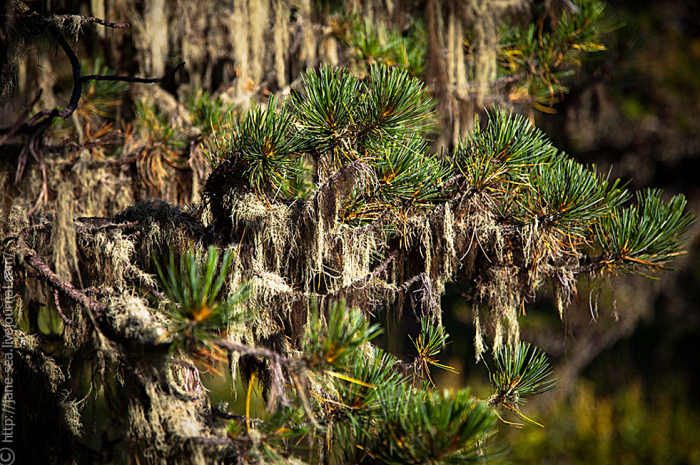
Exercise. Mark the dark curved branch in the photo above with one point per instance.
(45, 116)
(77, 73)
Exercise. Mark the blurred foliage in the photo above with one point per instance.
(656, 75)
(160, 146)
(368, 44)
(627, 426)
(100, 97)
(209, 114)
(91, 126)
(540, 55)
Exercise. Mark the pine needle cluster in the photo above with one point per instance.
(377, 125)
(539, 56)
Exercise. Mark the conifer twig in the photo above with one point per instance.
(65, 319)
(92, 19)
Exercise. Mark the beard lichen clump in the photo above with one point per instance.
(380, 222)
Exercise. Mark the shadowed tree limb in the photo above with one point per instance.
(24, 125)
(37, 124)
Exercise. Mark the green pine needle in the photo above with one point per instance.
(325, 109)
(433, 427)
(361, 403)
(269, 148)
(193, 285)
(330, 346)
(520, 372)
(397, 105)
(647, 235)
(430, 342)
(567, 197)
(502, 152)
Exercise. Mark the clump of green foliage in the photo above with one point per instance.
(335, 120)
(350, 399)
(366, 43)
(193, 289)
(338, 209)
(538, 57)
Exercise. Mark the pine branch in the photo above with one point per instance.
(647, 235)
(519, 373)
(192, 288)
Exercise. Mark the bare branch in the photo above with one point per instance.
(92, 19)
(67, 321)
(368, 278)
(165, 78)
(23, 125)
(46, 274)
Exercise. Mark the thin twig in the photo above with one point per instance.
(407, 284)
(65, 319)
(223, 441)
(376, 223)
(44, 195)
(46, 274)
(470, 244)
(259, 351)
(361, 282)
(165, 78)
(18, 124)
(45, 116)
(92, 19)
